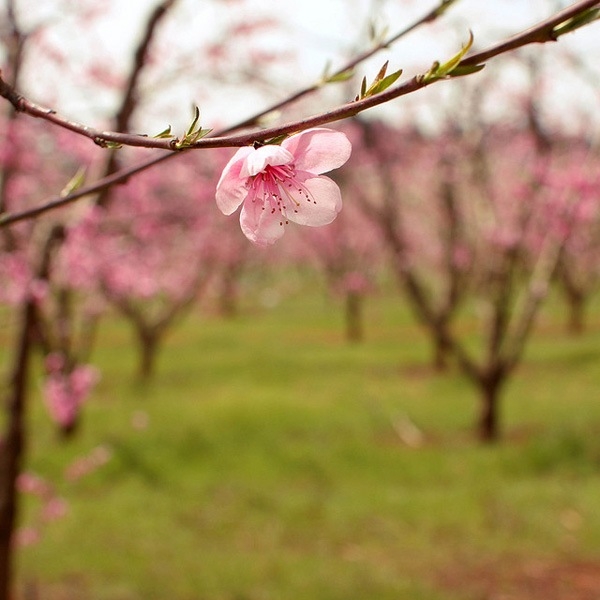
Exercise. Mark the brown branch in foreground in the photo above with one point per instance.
(255, 120)
(542, 32)
(119, 137)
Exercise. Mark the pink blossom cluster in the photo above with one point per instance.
(349, 251)
(64, 391)
(151, 242)
(17, 282)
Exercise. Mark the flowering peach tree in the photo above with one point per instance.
(486, 220)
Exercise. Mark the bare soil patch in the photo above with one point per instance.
(527, 580)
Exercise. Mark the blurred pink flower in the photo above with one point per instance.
(54, 362)
(32, 484)
(85, 465)
(27, 536)
(54, 508)
(278, 184)
(65, 392)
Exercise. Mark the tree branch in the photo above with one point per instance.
(431, 16)
(119, 137)
(542, 32)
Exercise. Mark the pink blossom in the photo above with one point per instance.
(54, 508)
(355, 282)
(65, 393)
(15, 278)
(278, 184)
(87, 464)
(27, 536)
(30, 483)
(54, 362)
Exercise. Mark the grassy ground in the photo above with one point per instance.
(270, 460)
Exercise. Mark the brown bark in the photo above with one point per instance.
(441, 354)
(489, 417)
(576, 323)
(148, 342)
(354, 317)
(576, 298)
(12, 447)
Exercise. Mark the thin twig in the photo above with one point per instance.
(542, 32)
(119, 137)
(255, 120)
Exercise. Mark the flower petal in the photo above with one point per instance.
(318, 150)
(231, 189)
(260, 225)
(322, 209)
(259, 158)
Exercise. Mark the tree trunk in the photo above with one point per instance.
(489, 417)
(440, 354)
(12, 447)
(148, 344)
(575, 324)
(354, 317)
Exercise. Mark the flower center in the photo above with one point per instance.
(280, 190)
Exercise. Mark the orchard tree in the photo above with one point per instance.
(408, 191)
(578, 269)
(349, 254)
(486, 222)
(150, 252)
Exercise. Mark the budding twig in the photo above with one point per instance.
(542, 32)
(119, 138)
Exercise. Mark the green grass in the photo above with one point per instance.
(271, 467)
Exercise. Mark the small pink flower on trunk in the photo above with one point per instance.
(278, 184)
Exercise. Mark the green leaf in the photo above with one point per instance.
(438, 71)
(376, 33)
(276, 140)
(203, 133)
(74, 183)
(194, 122)
(372, 31)
(189, 139)
(583, 18)
(385, 83)
(341, 76)
(449, 66)
(193, 134)
(465, 70)
(167, 133)
(443, 7)
(328, 77)
(381, 73)
(380, 83)
(432, 73)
